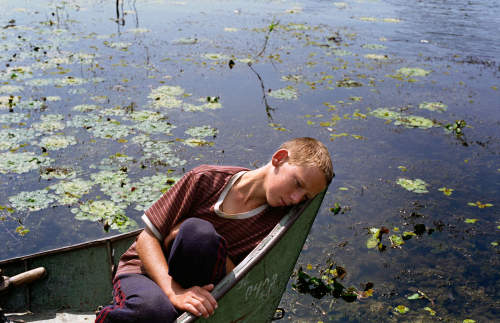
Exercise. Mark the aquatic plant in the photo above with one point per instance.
(57, 172)
(69, 192)
(287, 93)
(433, 106)
(31, 200)
(165, 96)
(57, 142)
(21, 162)
(15, 137)
(202, 131)
(112, 215)
(416, 186)
(49, 126)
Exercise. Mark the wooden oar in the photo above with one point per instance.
(22, 278)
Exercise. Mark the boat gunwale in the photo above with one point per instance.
(96, 242)
(255, 256)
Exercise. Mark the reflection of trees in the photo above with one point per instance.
(269, 109)
(119, 10)
(120, 14)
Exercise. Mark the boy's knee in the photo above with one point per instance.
(196, 233)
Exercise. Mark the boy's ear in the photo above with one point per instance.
(279, 157)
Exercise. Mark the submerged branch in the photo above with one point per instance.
(270, 29)
(264, 98)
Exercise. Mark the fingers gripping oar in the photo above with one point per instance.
(22, 278)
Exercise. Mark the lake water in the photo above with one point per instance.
(100, 105)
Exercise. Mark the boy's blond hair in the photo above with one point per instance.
(309, 152)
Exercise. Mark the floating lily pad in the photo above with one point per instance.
(105, 211)
(31, 201)
(342, 52)
(86, 107)
(166, 97)
(202, 131)
(185, 41)
(396, 240)
(401, 309)
(21, 162)
(10, 89)
(152, 126)
(374, 46)
(216, 57)
(348, 83)
(287, 93)
(480, 205)
(414, 296)
(6, 102)
(48, 126)
(200, 108)
(414, 122)
(57, 172)
(12, 117)
(14, 138)
(415, 186)
(412, 71)
(433, 106)
(292, 77)
(446, 191)
(430, 310)
(408, 121)
(110, 129)
(374, 239)
(377, 57)
(57, 142)
(138, 30)
(69, 192)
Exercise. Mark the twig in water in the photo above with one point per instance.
(269, 30)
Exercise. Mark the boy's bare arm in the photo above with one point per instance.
(196, 299)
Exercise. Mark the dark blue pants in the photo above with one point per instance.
(196, 257)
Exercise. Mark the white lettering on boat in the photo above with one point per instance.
(259, 290)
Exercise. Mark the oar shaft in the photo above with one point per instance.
(28, 276)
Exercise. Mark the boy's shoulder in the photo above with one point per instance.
(217, 170)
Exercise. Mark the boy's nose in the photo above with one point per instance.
(297, 197)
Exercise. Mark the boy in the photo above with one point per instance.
(209, 221)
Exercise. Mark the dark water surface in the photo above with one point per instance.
(80, 94)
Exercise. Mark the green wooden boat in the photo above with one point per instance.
(77, 279)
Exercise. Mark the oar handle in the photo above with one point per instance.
(28, 276)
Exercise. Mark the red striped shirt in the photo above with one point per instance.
(195, 195)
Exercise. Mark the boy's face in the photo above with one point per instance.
(292, 184)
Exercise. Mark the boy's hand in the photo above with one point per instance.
(196, 300)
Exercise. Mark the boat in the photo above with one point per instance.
(68, 284)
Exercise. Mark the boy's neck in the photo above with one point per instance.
(251, 187)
